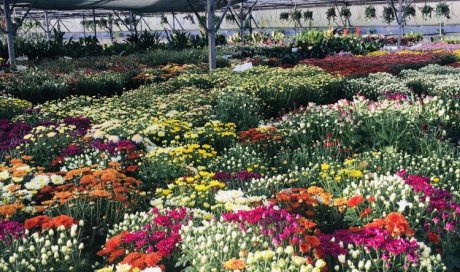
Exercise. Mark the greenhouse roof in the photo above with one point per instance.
(153, 6)
(144, 6)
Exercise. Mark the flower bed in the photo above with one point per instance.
(263, 170)
(356, 66)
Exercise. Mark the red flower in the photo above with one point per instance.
(36, 221)
(62, 220)
(433, 237)
(355, 201)
(366, 212)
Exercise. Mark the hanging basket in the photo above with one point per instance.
(427, 11)
(409, 12)
(345, 13)
(331, 14)
(388, 15)
(284, 16)
(443, 10)
(308, 15)
(370, 12)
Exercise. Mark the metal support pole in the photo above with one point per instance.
(84, 26)
(242, 25)
(9, 33)
(174, 21)
(47, 26)
(210, 10)
(131, 22)
(94, 24)
(400, 22)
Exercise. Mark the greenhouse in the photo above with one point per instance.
(230, 135)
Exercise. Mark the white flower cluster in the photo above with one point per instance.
(51, 250)
(132, 222)
(359, 260)
(391, 194)
(237, 200)
(40, 181)
(91, 157)
(268, 186)
(207, 245)
(280, 260)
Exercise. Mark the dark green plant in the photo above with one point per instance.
(443, 10)
(284, 16)
(427, 11)
(178, 40)
(308, 15)
(370, 12)
(388, 15)
(331, 14)
(409, 12)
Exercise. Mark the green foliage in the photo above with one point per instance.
(316, 44)
(244, 109)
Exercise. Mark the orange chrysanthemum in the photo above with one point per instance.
(61, 220)
(10, 209)
(234, 264)
(36, 221)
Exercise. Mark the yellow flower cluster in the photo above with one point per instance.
(457, 54)
(10, 107)
(167, 131)
(378, 53)
(189, 154)
(222, 129)
(338, 173)
(193, 191)
(52, 131)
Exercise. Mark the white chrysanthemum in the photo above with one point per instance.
(38, 182)
(152, 269)
(123, 268)
(228, 195)
(113, 138)
(57, 179)
(98, 134)
(137, 138)
(4, 175)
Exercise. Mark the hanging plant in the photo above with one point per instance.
(308, 15)
(164, 20)
(189, 17)
(230, 18)
(330, 14)
(427, 11)
(284, 16)
(370, 12)
(388, 15)
(296, 15)
(345, 13)
(442, 9)
(409, 12)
